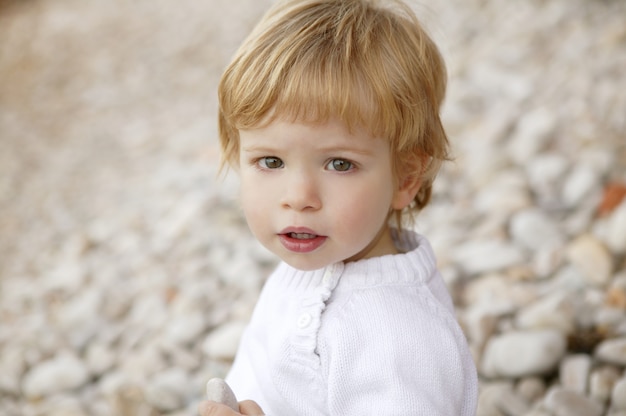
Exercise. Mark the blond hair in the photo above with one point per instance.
(364, 63)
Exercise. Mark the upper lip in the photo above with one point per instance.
(298, 230)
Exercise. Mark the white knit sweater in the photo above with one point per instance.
(371, 337)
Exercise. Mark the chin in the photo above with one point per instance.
(305, 266)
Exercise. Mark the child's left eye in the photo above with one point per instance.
(340, 165)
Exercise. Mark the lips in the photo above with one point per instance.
(300, 240)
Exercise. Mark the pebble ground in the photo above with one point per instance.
(126, 269)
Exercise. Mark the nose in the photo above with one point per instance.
(301, 193)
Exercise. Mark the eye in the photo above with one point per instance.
(270, 162)
(340, 165)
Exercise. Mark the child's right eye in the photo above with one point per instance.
(270, 162)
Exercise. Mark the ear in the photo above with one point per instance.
(409, 182)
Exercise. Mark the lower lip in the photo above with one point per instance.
(298, 245)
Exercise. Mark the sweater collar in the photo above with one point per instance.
(416, 264)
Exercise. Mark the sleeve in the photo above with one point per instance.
(396, 351)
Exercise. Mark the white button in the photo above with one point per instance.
(304, 320)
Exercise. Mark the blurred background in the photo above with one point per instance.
(126, 269)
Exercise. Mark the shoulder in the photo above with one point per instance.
(393, 315)
(404, 338)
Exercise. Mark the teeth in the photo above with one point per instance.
(301, 236)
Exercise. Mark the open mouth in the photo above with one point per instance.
(301, 236)
(301, 241)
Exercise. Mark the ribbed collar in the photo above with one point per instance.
(415, 265)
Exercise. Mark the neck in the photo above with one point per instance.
(382, 244)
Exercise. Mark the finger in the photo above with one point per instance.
(250, 408)
(210, 408)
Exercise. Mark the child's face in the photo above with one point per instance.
(316, 194)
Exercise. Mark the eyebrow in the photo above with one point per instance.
(258, 149)
(347, 149)
(329, 149)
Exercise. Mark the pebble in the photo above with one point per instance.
(523, 353)
(64, 406)
(562, 402)
(61, 373)
(222, 342)
(503, 194)
(80, 317)
(127, 272)
(545, 173)
(612, 351)
(532, 133)
(168, 390)
(218, 391)
(601, 382)
(534, 230)
(512, 404)
(99, 358)
(556, 311)
(616, 229)
(485, 256)
(531, 388)
(187, 328)
(592, 258)
(13, 367)
(579, 185)
(574, 372)
(491, 398)
(618, 396)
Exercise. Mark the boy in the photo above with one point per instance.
(329, 112)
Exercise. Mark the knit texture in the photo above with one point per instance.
(372, 337)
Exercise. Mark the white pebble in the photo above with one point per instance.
(490, 398)
(184, 329)
(534, 230)
(564, 402)
(504, 194)
(523, 353)
(12, 367)
(67, 276)
(80, 316)
(63, 405)
(601, 382)
(61, 373)
(612, 351)
(222, 343)
(618, 396)
(487, 256)
(531, 388)
(616, 235)
(555, 311)
(533, 131)
(168, 390)
(494, 294)
(99, 358)
(545, 172)
(218, 390)
(579, 184)
(592, 258)
(574, 372)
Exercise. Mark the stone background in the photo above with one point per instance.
(127, 272)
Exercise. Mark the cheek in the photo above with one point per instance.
(368, 209)
(252, 200)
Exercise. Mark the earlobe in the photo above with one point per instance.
(410, 184)
(405, 194)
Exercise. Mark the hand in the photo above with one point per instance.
(247, 408)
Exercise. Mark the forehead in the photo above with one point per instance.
(331, 134)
